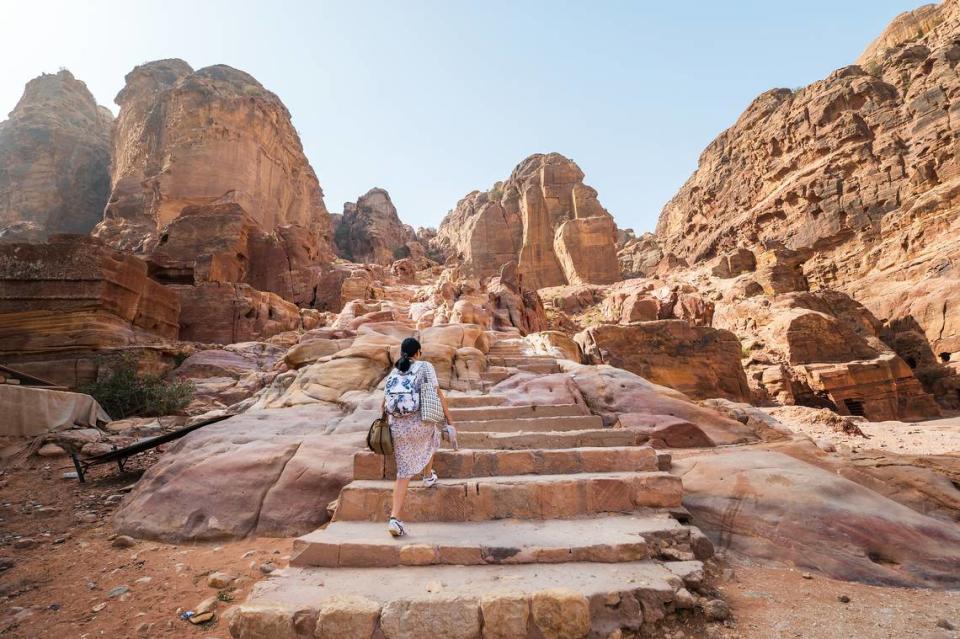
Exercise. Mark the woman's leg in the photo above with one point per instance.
(429, 467)
(399, 494)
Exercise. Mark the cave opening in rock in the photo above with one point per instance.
(854, 406)
(944, 357)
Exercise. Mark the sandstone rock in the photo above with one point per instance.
(51, 450)
(849, 174)
(834, 525)
(212, 136)
(561, 614)
(222, 243)
(823, 349)
(65, 302)
(453, 617)
(542, 217)
(308, 352)
(274, 473)
(505, 615)
(226, 313)
(54, 161)
(699, 361)
(371, 231)
(585, 250)
(219, 580)
(734, 263)
(555, 344)
(347, 616)
(612, 392)
(639, 256)
(262, 622)
(514, 305)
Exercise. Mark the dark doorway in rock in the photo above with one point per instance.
(944, 357)
(854, 406)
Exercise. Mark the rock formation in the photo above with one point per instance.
(371, 231)
(66, 302)
(824, 349)
(214, 136)
(700, 361)
(854, 173)
(54, 160)
(545, 218)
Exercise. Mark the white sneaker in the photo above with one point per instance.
(395, 527)
(431, 481)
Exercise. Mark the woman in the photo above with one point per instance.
(414, 441)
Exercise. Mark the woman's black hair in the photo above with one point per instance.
(408, 348)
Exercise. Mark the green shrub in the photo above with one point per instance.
(401, 252)
(124, 393)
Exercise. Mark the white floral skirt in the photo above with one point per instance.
(414, 443)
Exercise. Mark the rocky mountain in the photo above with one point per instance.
(856, 175)
(369, 230)
(54, 160)
(544, 217)
(208, 137)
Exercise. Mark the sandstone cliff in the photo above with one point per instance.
(544, 217)
(371, 231)
(54, 160)
(212, 136)
(855, 173)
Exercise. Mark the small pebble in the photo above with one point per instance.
(843, 599)
(943, 623)
(267, 568)
(119, 590)
(807, 575)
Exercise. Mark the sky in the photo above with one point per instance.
(432, 99)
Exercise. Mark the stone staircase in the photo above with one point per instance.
(543, 524)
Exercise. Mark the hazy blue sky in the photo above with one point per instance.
(431, 100)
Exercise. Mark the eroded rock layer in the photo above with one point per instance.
(213, 136)
(544, 217)
(855, 173)
(63, 302)
(54, 160)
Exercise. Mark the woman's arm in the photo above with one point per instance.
(443, 402)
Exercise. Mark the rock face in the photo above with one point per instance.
(64, 301)
(771, 506)
(54, 161)
(214, 136)
(824, 349)
(699, 361)
(639, 256)
(222, 243)
(854, 173)
(544, 217)
(370, 231)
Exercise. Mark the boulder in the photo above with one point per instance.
(699, 361)
(264, 472)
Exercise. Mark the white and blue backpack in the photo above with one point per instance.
(402, 393)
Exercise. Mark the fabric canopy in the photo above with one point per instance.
(27, 411)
